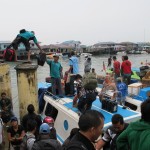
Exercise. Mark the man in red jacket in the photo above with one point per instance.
(116, 67)
(126, 70)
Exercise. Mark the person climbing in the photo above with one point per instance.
(24, 37)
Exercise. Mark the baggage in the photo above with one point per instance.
(104, 104)
(144, 68)
(89, 81)
(9, 54)
(112, 106)
(41, 58)
(109, 105)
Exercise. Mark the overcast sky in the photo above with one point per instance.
(89, 21)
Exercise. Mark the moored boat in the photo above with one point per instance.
(66, 116)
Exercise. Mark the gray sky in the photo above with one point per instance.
(89, 21)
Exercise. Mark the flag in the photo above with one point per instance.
(104, 68)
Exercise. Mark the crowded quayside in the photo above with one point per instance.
(70, 110)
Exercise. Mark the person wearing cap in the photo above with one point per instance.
(55, 73)
(24, 37)
(50, 122)
(15, 133)
(44, 142)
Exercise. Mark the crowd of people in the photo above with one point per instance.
(117, 81)
(34, 134)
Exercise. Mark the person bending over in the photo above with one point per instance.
(24, 37)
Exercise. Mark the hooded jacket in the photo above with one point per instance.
(135, 137)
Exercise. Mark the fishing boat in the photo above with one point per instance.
(66, 116)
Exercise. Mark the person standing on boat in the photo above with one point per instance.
(122, 91)
(55, 73)
(90, 128)
(74, 69)
(116, 67)
(87, 64)
(137, 135)
(24, 37)
(109, 62)
(126, 70)
(111, 134)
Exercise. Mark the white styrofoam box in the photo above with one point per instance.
(134, 89)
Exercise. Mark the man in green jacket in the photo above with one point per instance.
(137, 135)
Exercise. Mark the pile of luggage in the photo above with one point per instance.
(109, 105)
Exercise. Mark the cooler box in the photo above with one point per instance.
(145, 93)
(134, 89)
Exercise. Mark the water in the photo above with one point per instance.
(97, 63)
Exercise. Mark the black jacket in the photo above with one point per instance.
(80, 142)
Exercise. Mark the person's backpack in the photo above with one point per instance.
(43, 145)
(41, 58)
(89, 81)
(24, 145)
(9, 54)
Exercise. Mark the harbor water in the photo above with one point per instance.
(43, 72)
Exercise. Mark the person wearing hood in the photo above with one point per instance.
(137, 135)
